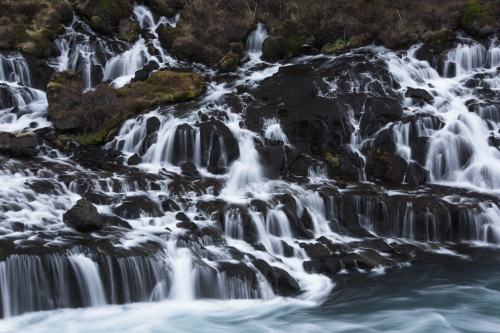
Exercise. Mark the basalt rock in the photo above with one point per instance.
(218, 144)
(83, 217)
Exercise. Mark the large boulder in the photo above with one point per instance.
(83, 216)
(477, 19)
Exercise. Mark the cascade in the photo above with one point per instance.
(201, 216)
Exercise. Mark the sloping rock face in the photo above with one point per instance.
(317, 120)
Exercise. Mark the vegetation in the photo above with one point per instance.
(102, 109)
(334, 162)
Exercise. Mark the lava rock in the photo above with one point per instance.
(134, 160)
(281, 281)
(419, 95)
(83, 216)
(152, 125)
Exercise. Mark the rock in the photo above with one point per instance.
(281, 281)
(477, 19)
(187, 225)
(216, 170)
(382, 165)
(272, 159)
(154, 186)
(416, 174)
(229, 62)
(213, 133)
(419, 95)
(136, 207)
(188, 166)
(134, 160)
(115, 221)
(128, 30)
(286, 41)
(419, 149)
(68, 122)
(378, 113)
(152, 125)
(385, 140)
(341, 184)
(182, 217)
(143, 73)
(83, 216)
(169, 205)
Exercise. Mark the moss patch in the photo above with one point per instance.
(101, 110)
(476, 13)
(334, 162)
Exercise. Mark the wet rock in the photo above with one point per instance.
(136, 207)
(143, 73)
(282, 282)
(218, 143)
(419, 95)
(416, 174)
(134, 160)
(152, 125)
(272, 159)
(382, 165)
(155, 186)
(378, 113)
(169, 205)
(115, 221)
(229, 62)
(83, 216)
(315, 250)
(99, 198)
(182, 217)
(189, 169)
(385, 140)
(419, 149)
(187, 225)
(148, 141)
(341, 184)
(216, 170)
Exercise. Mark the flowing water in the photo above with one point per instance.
(159, 277)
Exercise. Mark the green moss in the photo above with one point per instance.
(334, 162)
(476, 12)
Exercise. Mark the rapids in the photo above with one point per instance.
(204, 243)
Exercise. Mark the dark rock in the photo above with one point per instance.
(188, 166)
(385, 140)
(419, 149)
(272, 159)
(216, 170)
(83, 216)
(287, 40)
(382, 165)
(152, 125)
(169, 205)
(416, 174)
(187, 225)
(154, 186)
(341, 184)
(67, 123)
(419, 95)
(182, 217)
(136, 207)
(212, 133)
(115, 221)
(378, 113)
(282, 282)
(134, 160)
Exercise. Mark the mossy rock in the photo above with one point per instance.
(229, 62)
(440, 36)
(286, 41)
(97, 113)
(477, 19)
(165, 8)
(100, 25)
(128, 30)
(163, 87)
